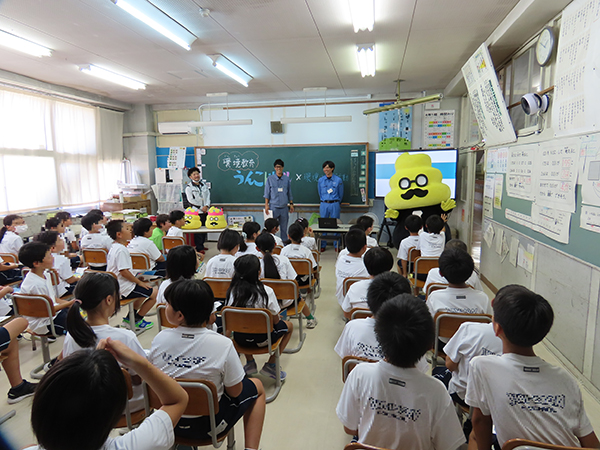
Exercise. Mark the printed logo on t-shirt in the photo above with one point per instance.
(461, 297)
(397, 382)
(369, 351)
(486, 352)
(187, 336)
(463, 310)
(537, 402)
(531, 369)
(186, 362)
(393, 410)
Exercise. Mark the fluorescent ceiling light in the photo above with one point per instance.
(23, 45)
(363, 14)
(316, 119)
(366, 59)
(230, 69)
(112, 77)
(158, 20)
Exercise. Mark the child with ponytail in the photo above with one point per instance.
(250, 231)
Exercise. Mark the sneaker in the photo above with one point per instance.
(21, 392)
(268, 370)
(126, 320)
(250, 368)
(144, 325)
(311, 323)
(50, 363)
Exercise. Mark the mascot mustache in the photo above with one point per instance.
(412, 192)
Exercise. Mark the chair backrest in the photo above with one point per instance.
(247, 320)
(525, 444)
(277, 250)
(9, 258)
(284, 289)
(140, 261)
(431, 287)
(350, 362)
(360, 313)
(33, 305)
(316, 256)
(219, 286)
(423, 264)
(359, 446)
(95, 255)
(170, 242)
(302, 266)
(413, 254)
(349, 282)
(54, 278)
(447, 323)
(161, 314)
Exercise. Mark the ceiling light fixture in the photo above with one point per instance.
(366, 59)
(158, 20)
(112, 77)
(230, 69)
(363, 14)
(218, 123)
(325, 118)
(401, 104)
(23, 45)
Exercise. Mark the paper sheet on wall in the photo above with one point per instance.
(487, 99)
(491, 156)
(505, 248)
(575, 108)
(176, 158)
(558, 166)
(590, 219)
(498, 187)
(520, 174)
(514, 251)
(550, 222)
(525, 257)
(499, 237)
(488, 196)
(438, 129)
(502, 160)
(488, 235)
(590, 170)
(517, 217)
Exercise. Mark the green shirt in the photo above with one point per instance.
(156, 237)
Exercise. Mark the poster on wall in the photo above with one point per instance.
(487, 99)
(395, 128)
(438, 129)
(520, 172)
(488, 196)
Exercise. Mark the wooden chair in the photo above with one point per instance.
(317, 273)
(434, 287)
(349, 282)
(219, 286)
(95, 256)
(256, 321)
(525, 444)
(38, 306)
(350, 362)
(422, 266)
(203, 401)
(446, 324)
(141, 262)
(360, 313)
(130, 419)
(277, 250)
(304, 267)
(359, 446)
(161, 317)
(170, 242)
(9, 258)
(55, 279)
(286, 289)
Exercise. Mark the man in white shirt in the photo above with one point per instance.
(351, 265)
(198, 195)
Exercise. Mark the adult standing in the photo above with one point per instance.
(198, 195)
(331, 191)
(278, 194)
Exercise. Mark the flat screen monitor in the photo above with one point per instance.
(444, 160)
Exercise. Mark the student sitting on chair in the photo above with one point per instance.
(10, 241)
(295, 250)
(279, 267)
(351, 265)
(434, 274)
(250, 231)
(62, 265)
(98, 295)
(161, 230)
(432, 241)
(103, 221)
(390, 404)
(457, 266)
(247, 291)
(272, 226)
(377, 260)
(20, 388)
(413, 225)
(210, 356)
(522, 394)
(119, 263)
(91, 383)
(344, 251)
(142, 244)
(181, 263)
(221, 265)
(38, 257)
(177, 219)
(95, 239)
(366, 223)
(308, 240)
(68, 235)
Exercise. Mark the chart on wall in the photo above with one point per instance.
(438, 129)
(395, 128)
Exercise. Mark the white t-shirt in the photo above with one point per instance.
(123, 335)
(160, 296)
(284, 267)
(174, 231)
(372, 242)
(278, 240)
(11, 243)
(431, 244)
(272, 304)
(405, 244)
(298, 251)
(155, 433)
(434, 277)
(68, 235)
(120, 259)
(356, 297)
(528, 399)
(34, 284)
(220, 266)
(96, 240)
(197, 353)
(392, 407)
(62, 264)
(251, 250)
(347, 266)
(470, 340)
(459, 300)
(309, 242)
(141, 244)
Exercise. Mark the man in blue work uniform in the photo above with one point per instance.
(278, 193)
(331, 192)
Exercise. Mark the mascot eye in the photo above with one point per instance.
(404, 183)
(421, 180)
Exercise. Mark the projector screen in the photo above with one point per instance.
(444, 160)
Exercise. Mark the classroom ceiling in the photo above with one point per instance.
(286, 45)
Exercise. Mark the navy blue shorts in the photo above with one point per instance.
(280, 329)
(230, 411)
(4, 339)
(139, 291)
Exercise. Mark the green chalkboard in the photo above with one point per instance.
(237, 174)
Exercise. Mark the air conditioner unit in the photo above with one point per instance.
(175, 128)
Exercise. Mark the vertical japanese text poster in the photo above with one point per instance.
(487, 99)
(520, 174)
(438, 129)
(395, 126)
(488, 196)
(575, 106)
(589, 177)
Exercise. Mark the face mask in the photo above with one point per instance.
(21, 228)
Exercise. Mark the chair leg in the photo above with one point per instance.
(37, 372)
(131, 317)
(301, 336)
(275, 393)
(231, 439)
(7, 416)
